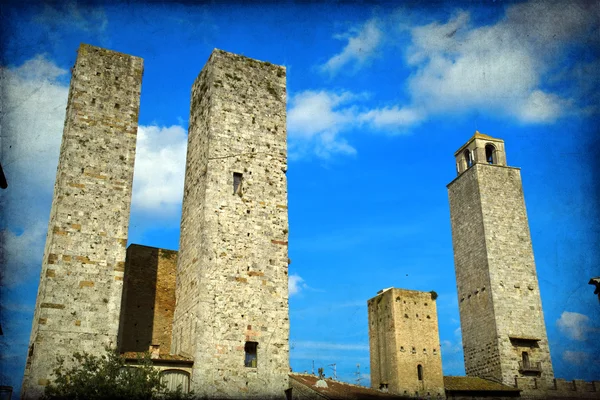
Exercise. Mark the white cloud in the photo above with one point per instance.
(392, 117)
(88, 19)
(31, 124)
(295, 284)
(497, 68)
(159, 169)
(575, 357)
(574, 325)
(317, 120)
(361, 48)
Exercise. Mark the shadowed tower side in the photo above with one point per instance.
(502, 322)
(79, 295)
(231, 313)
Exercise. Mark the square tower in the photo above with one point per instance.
(79, 295)
(405, 343)
(502, 322)
(231, 313)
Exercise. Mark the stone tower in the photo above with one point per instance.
(231, 313)
(79, 295)
(405, 343)
(504, 336)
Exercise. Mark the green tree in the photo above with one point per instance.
(105, 377)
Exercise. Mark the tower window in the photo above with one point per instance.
(525, 357)
(468, 158)
(420, 372)
(251, 356)
(237, 183)
(490, 154)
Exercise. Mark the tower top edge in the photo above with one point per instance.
(243, 57)
(409, 292)
(88, 48)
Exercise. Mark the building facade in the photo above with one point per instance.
(79, 295)
(405, 343)
(232, 272)
(502, 322)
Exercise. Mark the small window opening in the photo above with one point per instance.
(420, 372)
(250, 360)
(414, 351)
(525, 357)
(237, 183)
(434, 351)
(468, 158)
(490, 154)
(401, 348)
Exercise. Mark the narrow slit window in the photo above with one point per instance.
(251, 356)
(237, 183)
(525, 357)
(420, 372)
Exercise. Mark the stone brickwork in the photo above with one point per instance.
(232, 272)
(403, 339)
(79, 295)
(148, 299)
(502, 322)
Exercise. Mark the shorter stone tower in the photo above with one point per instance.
(405, 343)
(502, 322)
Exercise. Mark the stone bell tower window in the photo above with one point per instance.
(490, 154)
(468, 158)
(251, 356)
(420, 372)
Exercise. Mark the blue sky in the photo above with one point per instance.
(379, 98)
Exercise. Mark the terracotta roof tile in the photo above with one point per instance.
(470, 383)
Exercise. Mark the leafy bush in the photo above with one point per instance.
(107, 377)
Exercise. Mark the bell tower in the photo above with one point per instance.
(504, 336)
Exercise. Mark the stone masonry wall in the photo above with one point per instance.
(403, 334)
(477, 318)
(516, 294)
(148, 300)
(79, 295)
(232, 284)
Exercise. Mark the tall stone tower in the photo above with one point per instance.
(79, 295)
(405, 343)
(231, 313)
(504, 336)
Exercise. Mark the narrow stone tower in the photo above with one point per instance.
(405, 343)
(79, 295)
(504, 336)
(232, 273)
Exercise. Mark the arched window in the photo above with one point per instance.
(175, 378)
(468, 158)
(420, 372)
(490, 154)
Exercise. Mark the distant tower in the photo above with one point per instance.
(405, 343)
(231, 313)
(79, 295)
(504, 336)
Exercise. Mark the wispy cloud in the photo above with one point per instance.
(501, 67)
(304, 345)
(575, 357)
(362, 45)
(295, 284)
(87, 18)
(574, 325)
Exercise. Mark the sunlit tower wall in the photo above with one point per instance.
(502, 322)
(231, 313)
(79, 295)
(404, 344)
